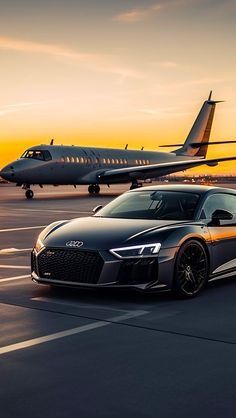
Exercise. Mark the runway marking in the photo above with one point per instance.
(22, 228)
(54, 211)
(69, 332)
(13, 250)
(59, 301)
(7, 266)
(81, 305)
(61, 193)
(9, 279)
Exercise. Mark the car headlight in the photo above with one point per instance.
(39, 245)
(137, 251)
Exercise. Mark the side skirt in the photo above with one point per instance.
(225, 275)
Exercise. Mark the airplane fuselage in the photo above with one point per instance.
(74, 165)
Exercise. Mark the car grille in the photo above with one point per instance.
(70, 265)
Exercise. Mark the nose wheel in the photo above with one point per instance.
(94, 189)
(135, 185)
(29, 194)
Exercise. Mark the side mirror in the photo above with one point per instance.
(221, 215)
(97, 208)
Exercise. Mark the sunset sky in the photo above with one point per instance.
(111, 72)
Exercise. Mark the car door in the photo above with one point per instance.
(223, 237)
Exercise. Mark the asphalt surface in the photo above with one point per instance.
(92, 354)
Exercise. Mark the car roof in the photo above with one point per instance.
(193, 188)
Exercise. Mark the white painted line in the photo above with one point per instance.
(60, 301)
(69, 332)
(60, 193)
(23, 228)
(8, 266)
(14, 250)
(9, 279)
(53, 210)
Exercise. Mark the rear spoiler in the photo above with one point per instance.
(198, 144)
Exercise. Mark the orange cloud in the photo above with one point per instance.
(168, 64)
(16, 107)
(50, 49)
(97, 62)
(139, 14)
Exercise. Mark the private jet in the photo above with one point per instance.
(74, 165)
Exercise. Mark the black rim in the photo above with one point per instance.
(192, 269)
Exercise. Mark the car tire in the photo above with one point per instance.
(191, 269)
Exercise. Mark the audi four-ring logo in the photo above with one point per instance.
(74, 244)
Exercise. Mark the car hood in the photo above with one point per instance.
(102, 233)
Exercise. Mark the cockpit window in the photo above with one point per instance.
(42, 155)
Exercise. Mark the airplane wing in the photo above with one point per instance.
(156, 170)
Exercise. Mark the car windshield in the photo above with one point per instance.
(166, 205)
(37, 155)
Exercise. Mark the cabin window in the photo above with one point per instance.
(62, 159)
(113, 161)
(81, 160)
(96, 160)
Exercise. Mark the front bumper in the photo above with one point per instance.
(87, 268)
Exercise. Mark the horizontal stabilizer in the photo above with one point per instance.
(170, 146)
(199, 144)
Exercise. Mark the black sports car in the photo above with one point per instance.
(152, 238)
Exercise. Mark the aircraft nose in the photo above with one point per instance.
(8, 173)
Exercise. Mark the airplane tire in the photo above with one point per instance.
(96, 188)
(91, 189)
(134, 186)
(29, 194)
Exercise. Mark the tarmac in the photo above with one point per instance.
(105, 354)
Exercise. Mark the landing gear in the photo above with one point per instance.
(94, 189)
(29, 194)
(135, 185)
(90, 189)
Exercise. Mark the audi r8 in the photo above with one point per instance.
(171, 237)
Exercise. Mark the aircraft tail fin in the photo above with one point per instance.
(200, 131)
